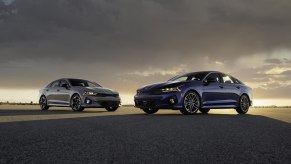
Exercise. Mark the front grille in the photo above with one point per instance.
(106, 95)
(109, 103)
(145, 103)
(148, 92)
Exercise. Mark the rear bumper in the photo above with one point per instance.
(165, 101)
(100, 102)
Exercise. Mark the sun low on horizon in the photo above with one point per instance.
(125, 45)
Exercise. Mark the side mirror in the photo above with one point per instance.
(65, 86)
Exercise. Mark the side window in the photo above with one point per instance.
(63, 82)
(236, 81)
(214, 77)
(227, 79)
(55, 84)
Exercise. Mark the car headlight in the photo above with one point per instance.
(90, 93)
(166, 90)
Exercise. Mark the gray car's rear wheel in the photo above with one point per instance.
(191, 103)
(243, 105)
(150, 110)
(76, 103)
(112, 108)
(43, 103)
(204, 111)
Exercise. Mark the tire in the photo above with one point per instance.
(112, 108)
(204, 111)
(76, 103)
(43, 103)
(191, 103)
(150, 110)
(243, 105)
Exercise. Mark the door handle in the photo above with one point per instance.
(47, 90)
(58, 90)
(238, 87)
(220, 86)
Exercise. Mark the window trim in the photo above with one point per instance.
(219, 74)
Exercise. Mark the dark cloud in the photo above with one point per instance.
(287, 60)
(106, 40)
(273, 61)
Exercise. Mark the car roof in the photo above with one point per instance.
(71, 79)
(206, 72)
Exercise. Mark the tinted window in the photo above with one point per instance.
(227, 79)
(236, 81)
(190, 76)
(214, 76)
(63, 82)
(55, 84)
(83, 83)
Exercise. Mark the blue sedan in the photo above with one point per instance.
(195, 91)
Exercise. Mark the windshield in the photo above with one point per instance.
(83, 83)
(190, 76)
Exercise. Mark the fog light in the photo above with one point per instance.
(88, 101)
(172, 100)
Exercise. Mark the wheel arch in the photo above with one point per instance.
(73, 94)
(42, 95)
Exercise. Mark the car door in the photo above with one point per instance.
(213, 91)
(51, 92)
(232, 89)
(63, 93)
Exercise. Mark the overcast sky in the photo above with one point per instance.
(124, 44)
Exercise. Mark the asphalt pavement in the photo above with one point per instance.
(29, 135)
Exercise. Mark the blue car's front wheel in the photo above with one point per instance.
(191, 103)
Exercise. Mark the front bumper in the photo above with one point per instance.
(164, 101)
(100, 102)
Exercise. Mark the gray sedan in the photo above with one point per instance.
(78, 94)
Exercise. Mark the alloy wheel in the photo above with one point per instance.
(43, 103)
(76, 103)
(244, 103)
(191, 103)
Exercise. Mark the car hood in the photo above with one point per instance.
(102, 90)
(161, 85)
